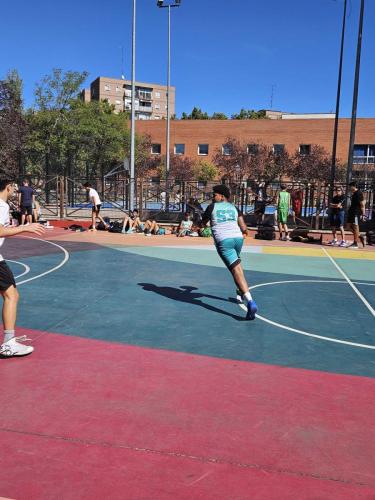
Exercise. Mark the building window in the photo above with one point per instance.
(226, 149)
(157, 117)
(364, 153)
(156, 149)
(179, 149)
(118, 89)
(278, 149)
(157, 95)
(304, 149)
(118, 102)
(203, 149)
(107, 87)
(157, 106)
(252, 149)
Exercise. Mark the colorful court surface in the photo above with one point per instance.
(147, 382)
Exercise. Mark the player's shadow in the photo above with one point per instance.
(187, 294)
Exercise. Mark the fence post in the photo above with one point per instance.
(61, 182)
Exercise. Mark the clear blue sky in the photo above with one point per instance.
(225, 54)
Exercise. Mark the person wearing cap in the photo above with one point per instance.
(228, 230)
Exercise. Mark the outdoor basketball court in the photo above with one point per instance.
(147, 383)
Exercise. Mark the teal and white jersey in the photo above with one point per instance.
(223, 218)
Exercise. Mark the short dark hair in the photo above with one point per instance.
(223, 190)
(353, 183)
(283, 186)
(4, 183)
(87, 185)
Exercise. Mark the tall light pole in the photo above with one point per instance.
(334, 146)
(160, 4)
(355, 99)
(132, 127)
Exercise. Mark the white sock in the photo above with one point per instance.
(247, 296)
(8, 334)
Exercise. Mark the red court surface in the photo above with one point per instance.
(87, 419)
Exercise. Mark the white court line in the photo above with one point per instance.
(367, 304)
(302, 332)
(65, 259)
(27, 270)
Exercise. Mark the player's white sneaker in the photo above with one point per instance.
(14, 348)
(333, 243)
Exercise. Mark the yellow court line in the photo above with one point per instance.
(341, 253)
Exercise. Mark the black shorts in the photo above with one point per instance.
(96, 208)
(353, 218)
(6, 277)
(27, 210)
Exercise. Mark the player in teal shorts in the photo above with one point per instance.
(228, 230)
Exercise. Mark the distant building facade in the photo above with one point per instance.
(200, 139)
(150, 98)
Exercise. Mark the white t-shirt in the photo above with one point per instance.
(94, 194)
(4, 220)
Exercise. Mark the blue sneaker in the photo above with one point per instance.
(252, 308)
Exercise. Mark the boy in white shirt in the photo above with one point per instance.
(96, 205)
(12, 345)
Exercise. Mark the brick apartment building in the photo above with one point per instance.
(150, 98)
(199, 139)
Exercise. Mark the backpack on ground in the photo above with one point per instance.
(370, 237)
(265, 232)
(115, 227)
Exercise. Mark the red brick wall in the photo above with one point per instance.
(292, 133)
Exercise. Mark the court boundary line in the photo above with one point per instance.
(27, 270)
(296, 330)
(350, 283)
(63, 262)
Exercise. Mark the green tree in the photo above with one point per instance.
(205, 171)
(219, 116)
(196, 114)
(13, 127)
(249, 114)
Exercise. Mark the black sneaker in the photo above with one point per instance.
(353, 246)
(362, 240)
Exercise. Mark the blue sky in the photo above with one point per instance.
(225, 54)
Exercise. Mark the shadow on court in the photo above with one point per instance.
(186, 294)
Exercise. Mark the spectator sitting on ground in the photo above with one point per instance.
(185, 226)
(132, 223)
(151, 227)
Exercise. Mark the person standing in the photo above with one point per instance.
(356, 213)
(283, 203)
(26, 200)
(96, 205)
(11, 345)
(337, 216)
(228, 230)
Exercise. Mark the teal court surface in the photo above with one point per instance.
(147, 382)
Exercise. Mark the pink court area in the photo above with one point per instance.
(86, 419)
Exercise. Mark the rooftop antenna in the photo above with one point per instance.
(122, 63)
(272, 94)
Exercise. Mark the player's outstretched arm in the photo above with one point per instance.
(35, 228)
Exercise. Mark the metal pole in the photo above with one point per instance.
(168, 114)
(334, 146)
(132, 128)
(355, 100)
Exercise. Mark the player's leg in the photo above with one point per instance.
(229, 250)
(11, 345)
(93, 219)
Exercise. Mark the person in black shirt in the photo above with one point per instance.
(356, 213)
(26, 199)
(337, 216)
